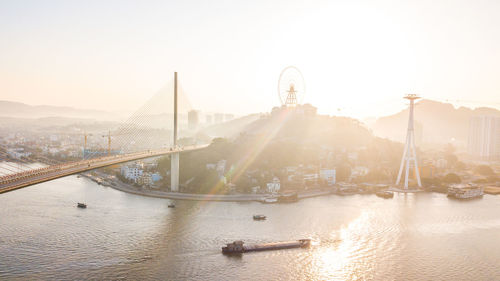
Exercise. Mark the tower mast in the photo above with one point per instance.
(409, 153)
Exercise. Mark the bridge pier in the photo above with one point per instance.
(174, 172)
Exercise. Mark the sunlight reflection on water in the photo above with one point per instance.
(410, 237)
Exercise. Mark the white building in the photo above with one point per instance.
(132, 172)
(18, 153)
(221, 167)
(274, 186)
(310, 177)
(193, 119)
(484, 137)
(359, 171)
(329, 175)
(218, 118)
(52, 150)
(145, 179)
(353, 156)
(441, 163)
(255, 189)
(290, 169)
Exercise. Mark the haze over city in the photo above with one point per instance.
(249, 140)
(358, 57)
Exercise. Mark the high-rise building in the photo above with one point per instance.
(208, 119)
(193, 120)
(484, 137)
(218, 118)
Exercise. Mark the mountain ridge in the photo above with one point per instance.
(23, 110)
(435, 122)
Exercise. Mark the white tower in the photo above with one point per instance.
(174, 157)
(409, 153)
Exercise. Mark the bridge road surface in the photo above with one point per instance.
(27, 178)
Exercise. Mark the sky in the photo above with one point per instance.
(358, 58)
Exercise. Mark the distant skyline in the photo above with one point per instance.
(359, 58)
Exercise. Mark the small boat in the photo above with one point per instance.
(259, 217)
(270, 200)
(385, 194)
(172, 205)
(81, 205)
(78, 176)
(238, 247)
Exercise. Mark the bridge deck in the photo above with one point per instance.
(27, 178)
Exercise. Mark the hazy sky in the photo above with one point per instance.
(358, 57)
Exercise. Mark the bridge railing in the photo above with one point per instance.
(6, 179)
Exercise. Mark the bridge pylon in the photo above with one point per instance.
(174, 158)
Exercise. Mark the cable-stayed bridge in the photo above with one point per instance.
(30, 177)
(134, 139)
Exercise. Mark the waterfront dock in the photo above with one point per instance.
(493, 190)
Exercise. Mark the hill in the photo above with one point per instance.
(435, 122)
(304, 126)
(230, 129)
(22, 110)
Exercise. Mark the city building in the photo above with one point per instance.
(18, 153)
(155, 177)
(193, 119)
(221, 167)
(133, 171)
(359, 171)
(255, 189)
(307, 110)
(484, 137)
(310, 178)
(428, 170)
(441, 163)
(329, 175)
(218, 118)
(208, 119)
(145, 179)
(274, 186)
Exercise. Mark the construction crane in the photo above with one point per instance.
(109, 138)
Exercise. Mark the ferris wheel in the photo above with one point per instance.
(291, 87)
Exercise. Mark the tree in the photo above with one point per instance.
(343, 172)
(460, 166)
(452, 178)
(484, 170)
(431, 181)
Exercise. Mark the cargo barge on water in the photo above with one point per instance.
(238, 247)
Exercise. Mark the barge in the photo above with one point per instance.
(238, 247)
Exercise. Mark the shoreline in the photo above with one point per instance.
(202, 197)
